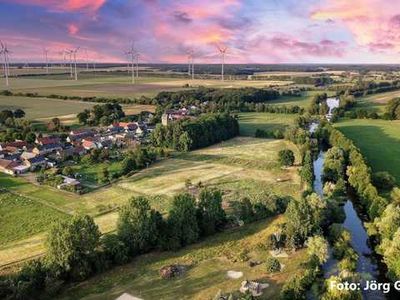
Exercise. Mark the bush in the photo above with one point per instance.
(383, 180)
(273, 265)
(286, 157)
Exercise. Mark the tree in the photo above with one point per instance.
(30, 138)
(83, 117)
(71, 247)
(286, 157)
(54, 124)
(317, 246)
(210, 213)
(383, 181)
(67, 171)
(115, 249)
(182, 221)
(137, 226)
(304, 218)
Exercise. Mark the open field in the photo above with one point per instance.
(208, 263)
(379, 142)
(240, 167)
(376, 102)
(22, 217)
(250, 122)
(43, 109)
(120, 86)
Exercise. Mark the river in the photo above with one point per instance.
(366, 266)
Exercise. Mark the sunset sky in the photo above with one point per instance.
(256, 31)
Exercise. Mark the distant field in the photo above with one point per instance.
(120, 86)
(376, 102)
(208, 263)
(240, 167)
(379, 142)
(250, 122)
(43, 109)
(22, 217)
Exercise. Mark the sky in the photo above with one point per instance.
(163, 31)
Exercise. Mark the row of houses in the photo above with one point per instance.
(20, 157)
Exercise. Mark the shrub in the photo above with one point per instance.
(286, 157)
(273, 265)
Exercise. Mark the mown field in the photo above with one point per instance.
(379, 141)
(207, 264)
(250, 122)
(240, 167)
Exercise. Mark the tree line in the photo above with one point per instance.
(189, 134)
(104, 114)
(77, 250)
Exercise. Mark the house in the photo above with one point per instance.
(14, 146)
(47, 140)
(8, 166)
(27, 155)
(68, 181)
(76, 135)
(91, 144)
(174, 115)
(46, 149)
(36, 162)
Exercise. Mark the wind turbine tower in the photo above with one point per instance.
(222, 51)
(74, 54)
(132, 54)
(4, 51)
(46, 52)
(191, 64)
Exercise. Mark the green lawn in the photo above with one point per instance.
(207, 263)
(302, 101)
(379, 142)
(90, 172)
(250, 122)
(21, 217)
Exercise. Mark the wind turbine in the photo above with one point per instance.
(137, 64)
(46, 52)
(4, 50)
(191, 63)
(222, 51)
(74, 55)
(87, 60)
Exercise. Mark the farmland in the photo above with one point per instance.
(240, 167)
(379, 142)
(208, 263)
(120, 86)
(250, 122)
(43, 109)
(376, 102)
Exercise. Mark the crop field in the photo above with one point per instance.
(379, 142)
(240, 167)
(250, 122)
(207, 265)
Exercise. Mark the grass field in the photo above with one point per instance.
(240, 167)
(250, 122)
(22, 217)
(43, 109)
(379, 142)
(120, 86)
(208, 263)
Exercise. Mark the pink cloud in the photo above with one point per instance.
(64, 5)
(373, 23)
(72, 29)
